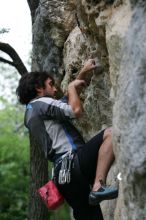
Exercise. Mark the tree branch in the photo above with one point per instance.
(17, 62)
(6, 61)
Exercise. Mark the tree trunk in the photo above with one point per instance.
(48, 42)
(38, 163)
(38, 177)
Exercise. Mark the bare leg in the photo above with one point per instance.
(105, 159)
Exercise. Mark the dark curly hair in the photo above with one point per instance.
(26, 90)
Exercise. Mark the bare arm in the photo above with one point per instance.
(76, 86)
(73, 97)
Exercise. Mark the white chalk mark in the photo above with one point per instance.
(119, 177)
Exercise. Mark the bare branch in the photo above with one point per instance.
(6, 61)
(17, 62)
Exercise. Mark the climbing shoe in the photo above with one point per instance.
(103, 193)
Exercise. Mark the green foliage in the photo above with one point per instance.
(14, 164)
(14, 175)
(63, 213)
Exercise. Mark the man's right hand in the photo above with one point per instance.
(86, 72)
(89, 65)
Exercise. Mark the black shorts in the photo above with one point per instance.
(77, 191)
(88, 156)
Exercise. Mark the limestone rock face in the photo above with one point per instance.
(95, 98)
(130, 115)
(53, 22)
(65, 34)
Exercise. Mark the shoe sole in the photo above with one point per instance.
(98, 200)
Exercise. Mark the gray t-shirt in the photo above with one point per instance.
(49, 122)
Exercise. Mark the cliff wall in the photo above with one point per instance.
(65, 34)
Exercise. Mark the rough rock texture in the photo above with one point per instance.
(53, 22)
(129, 123)
(65, 34)
(96, 97)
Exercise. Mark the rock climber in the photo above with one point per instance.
(81, 167)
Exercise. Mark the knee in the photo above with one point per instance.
(108, 133)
